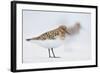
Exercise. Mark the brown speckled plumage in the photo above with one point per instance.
(60, 32)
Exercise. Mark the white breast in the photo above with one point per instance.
(48, 43)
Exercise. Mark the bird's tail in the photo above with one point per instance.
(35, 38)
(28, 39)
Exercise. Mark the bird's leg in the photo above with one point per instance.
(53, 52)
(49, 53)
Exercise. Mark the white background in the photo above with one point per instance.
(5, 36)
(78, 48)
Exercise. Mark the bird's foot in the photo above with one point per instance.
(54, 57)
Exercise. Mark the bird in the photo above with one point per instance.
(55, 37)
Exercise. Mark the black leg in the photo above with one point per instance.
(49, 52)
(53, 52)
